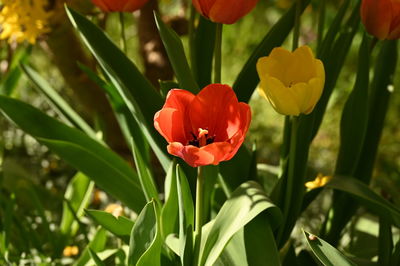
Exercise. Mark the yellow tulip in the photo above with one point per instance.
(291, 81)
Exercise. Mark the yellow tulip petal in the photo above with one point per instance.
(269, 66)
(302, 66)
(303, 93)
(281, 98)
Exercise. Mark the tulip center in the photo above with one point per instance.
(201, 139)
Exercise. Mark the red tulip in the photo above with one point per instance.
(206, 128)
(381, 18)
(119, 5)
(224, 11)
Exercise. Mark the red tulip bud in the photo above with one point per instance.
(381, 18)
(224, 11)
(119, 5)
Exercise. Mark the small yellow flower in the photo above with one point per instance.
(70, 251)
(291, 81)
(319, 181)
(115, 209)
(23, 20)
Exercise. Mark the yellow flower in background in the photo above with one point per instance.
(291, 81)
(23, 20)
(319, 181)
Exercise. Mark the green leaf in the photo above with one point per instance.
(95, 258)
(370, 199)
(103, 166)
(9, 82)
(260, 242)
(333, 30)
(185, 203)
(145, 176)
(333, 60)
(176, 54)
(58, 103)
(141, 98)
(246, 202)
(170, 210)
(325, 253)
(121, 226)
(145, 243)
(385, 67)
(354, 120)
(248, 79)
(97, 244)
(234, 253)
(122, 71)
(77, 195)
(203, 51)
(385, 242)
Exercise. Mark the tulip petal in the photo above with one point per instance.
(237, 9)
(280, 97)
(301, 67)
(171, 121)
(237, 140)
(303, 94)
(215, 109)
(395, 24)
(316, 86)
(194, 156)
(376, 17)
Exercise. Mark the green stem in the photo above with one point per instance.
(123, 36)
(321, 23)
(191, 35)
(296, 30)
(199, 212)
(291, 173)
(218, 54)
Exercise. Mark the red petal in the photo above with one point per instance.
(237, 140)
(215, 108)
(376, 16)
(172, 120)
(229, 11)
(211, 154)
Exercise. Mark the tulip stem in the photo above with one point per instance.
(321, 23)
(199, 212)
(296, 30)
(218, 54)
(291, 173)
(123, 36)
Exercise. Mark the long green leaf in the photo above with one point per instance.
(77, 194)
(100, 164)
(58, 103)
(119, 226)
(370, 199)
(170, 210)
(95, 258)
(325, 253)
(203, 51)
(97, 244)
(353, 125)
(145, 175)
(145, 243)
(246, 202)
(176, 55)
(141, 98)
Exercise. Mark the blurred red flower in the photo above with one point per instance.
(206, 128)
(381, 18)
(224, 11)
(119, 5)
